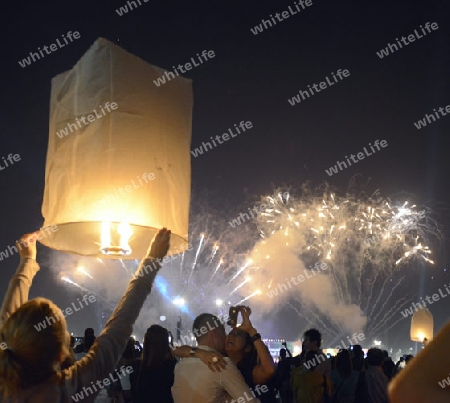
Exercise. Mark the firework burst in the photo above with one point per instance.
(367, 243)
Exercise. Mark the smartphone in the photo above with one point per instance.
(233, 314)
(170, 338)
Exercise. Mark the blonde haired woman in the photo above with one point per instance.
(30, 359)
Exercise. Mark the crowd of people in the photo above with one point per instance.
(50, 366)
(222, 367)
(349, 377)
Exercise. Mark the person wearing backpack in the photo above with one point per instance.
(308, 385)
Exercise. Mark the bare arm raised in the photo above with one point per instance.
(20, 283)
(264, 371)
(100, 361)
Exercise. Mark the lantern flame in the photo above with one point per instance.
(106, 235)
(124, 232)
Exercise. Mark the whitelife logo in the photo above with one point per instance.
(156, 263)
(11, 158)
(280, 288)
(49, 320)
(124, 10)
(91, 118)
(225, 137)
(187, 339)
(391, 48)
(188, 66)
(356, 339)
(315, 87)
(360, 155)
(108, 198)
(26, 62)
(259, 390)
(266, 24)
(13, 249)
(421, 305)
(422, 123)
(102, 383)
(257, 209)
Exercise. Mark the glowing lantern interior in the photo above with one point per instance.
(422, 325)
(112, 183)
(120, 247)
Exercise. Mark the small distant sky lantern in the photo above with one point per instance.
(422, 325)
(118, 160)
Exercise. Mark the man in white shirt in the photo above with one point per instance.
(196, 383)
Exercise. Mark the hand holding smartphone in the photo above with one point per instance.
(233, 314)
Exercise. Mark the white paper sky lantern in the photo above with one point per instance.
(118, 160)
(422, 325)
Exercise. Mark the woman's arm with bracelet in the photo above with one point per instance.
(264, 371)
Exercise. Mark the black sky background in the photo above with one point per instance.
(251, 78)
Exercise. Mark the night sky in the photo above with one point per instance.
(251, 78)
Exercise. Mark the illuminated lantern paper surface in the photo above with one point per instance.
(422, 325)
(126, 172)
